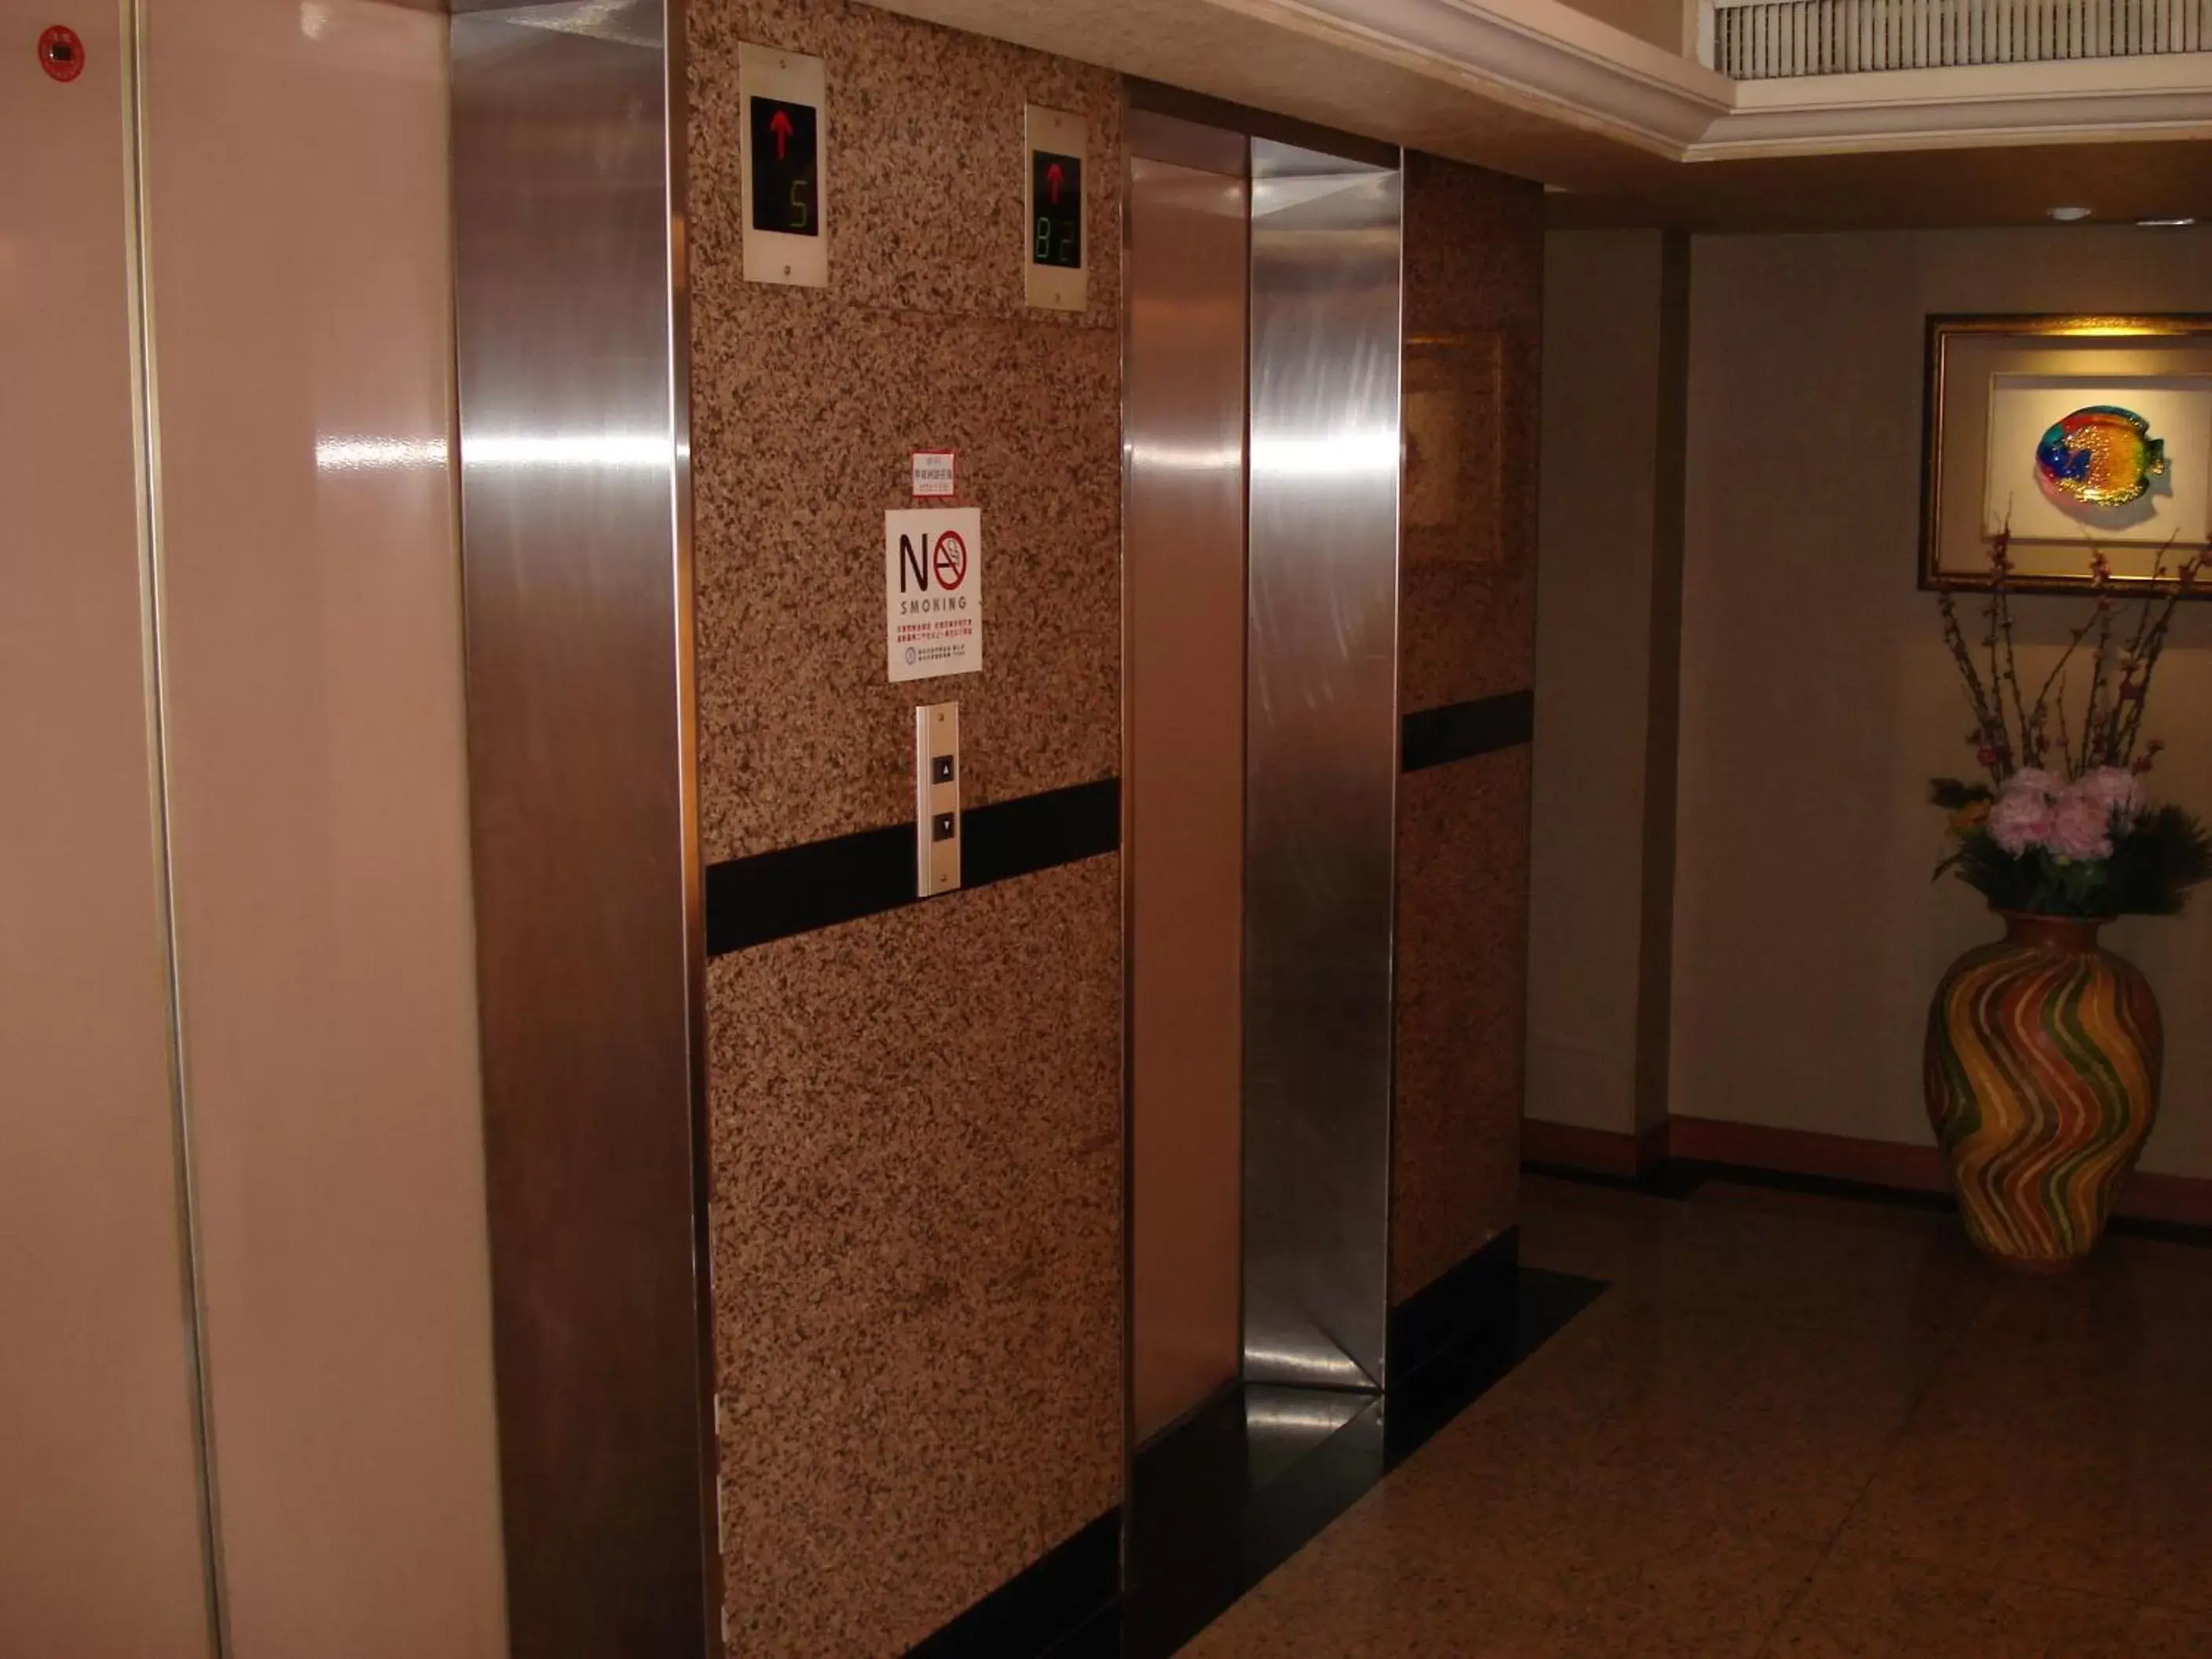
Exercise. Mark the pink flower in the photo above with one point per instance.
(2081, 829)
(2023, 815)
(2117, 790)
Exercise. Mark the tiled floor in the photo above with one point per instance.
(1794, 1426)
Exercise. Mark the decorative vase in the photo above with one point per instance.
(2042, 1073)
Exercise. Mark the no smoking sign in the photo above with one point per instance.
(932, 592)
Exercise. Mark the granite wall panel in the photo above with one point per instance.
(915, 1118)
(1474, 310)
(916, 1145)
(801, 441)
(1474, 306)
(1462, 979)
(808, 402)
(922, 163)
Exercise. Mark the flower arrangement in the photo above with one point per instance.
(2062, 827)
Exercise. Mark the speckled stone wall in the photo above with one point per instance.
(1474, 259)
(918, 1277)
(915, 1117)
(807, 403)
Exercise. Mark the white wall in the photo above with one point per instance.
(1816, 696)
(1602, 369)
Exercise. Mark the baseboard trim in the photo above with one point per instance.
(2181, 1201)
(1605, 1152)
(1473, 1293)
(1043, 1604)
(1804, 1152)
(2186, 1201)
(1236, 1488)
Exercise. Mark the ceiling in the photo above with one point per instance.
(1898, 190)
(1283, 60)
(1631, 135)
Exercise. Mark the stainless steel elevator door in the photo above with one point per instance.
(1184, 770)
(1321, 765)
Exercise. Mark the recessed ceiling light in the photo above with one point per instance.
(2179, 223)
(2067, 215)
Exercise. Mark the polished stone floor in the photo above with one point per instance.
(1796, 1425)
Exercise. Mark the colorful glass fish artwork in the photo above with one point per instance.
(2102, 455)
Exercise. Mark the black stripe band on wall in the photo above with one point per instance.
(796, 890)
(1461, 731)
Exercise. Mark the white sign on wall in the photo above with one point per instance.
(932, 592)
(933, 472)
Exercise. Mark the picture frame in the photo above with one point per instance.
(2080, 434)
(1453, 395)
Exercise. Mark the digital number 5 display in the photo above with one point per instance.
(1056, 199)
(786, 160)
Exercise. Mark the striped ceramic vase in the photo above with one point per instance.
(2042, 1075)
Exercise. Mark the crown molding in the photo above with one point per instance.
(1547, 59)
(1539, 88)
(1537, 56)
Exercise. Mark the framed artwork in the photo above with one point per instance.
(2077, 434)
(1454, 423)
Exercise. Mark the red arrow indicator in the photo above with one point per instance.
(1054, 178)
(780, 125)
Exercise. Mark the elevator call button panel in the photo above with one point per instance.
(787, 207)
(1055, 256)
(936, 797)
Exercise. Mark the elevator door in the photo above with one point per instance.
(102, 1540)
(1185, 766)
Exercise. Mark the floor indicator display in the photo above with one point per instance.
(1057, 256)
(786, 205)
